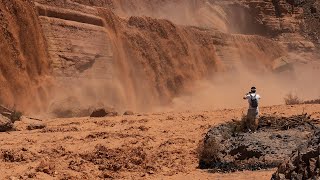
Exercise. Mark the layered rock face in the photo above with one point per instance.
(312, 19)
(152, 60)
(277, 16)
(78, 44)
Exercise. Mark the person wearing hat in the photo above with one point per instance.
(253, 110)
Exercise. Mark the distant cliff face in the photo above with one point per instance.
(136, 55)
(267, 18)
(152, 60)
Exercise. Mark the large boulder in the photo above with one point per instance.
(5, 124)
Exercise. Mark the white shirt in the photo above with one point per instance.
(248, 97)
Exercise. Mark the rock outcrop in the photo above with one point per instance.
(304, 163)
(5, 124)
(227, 148)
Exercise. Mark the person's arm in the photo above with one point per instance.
(245, 96)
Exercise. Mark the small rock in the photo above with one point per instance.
(34, 126)
(294, 175)
(128, 113)
(107, 176)
(313, 9)
(13, 178)
(103, 112)
(282, 168)
(278, 136)
(5, 124)
(112, 114)
(99, 113)
(32, 175)
(290, 166)
(282, 176)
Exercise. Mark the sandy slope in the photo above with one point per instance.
(147, 146)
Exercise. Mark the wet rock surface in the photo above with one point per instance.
(227, 148)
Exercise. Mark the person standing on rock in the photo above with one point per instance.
(253, 111)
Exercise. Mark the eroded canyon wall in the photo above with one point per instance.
(140, 54)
